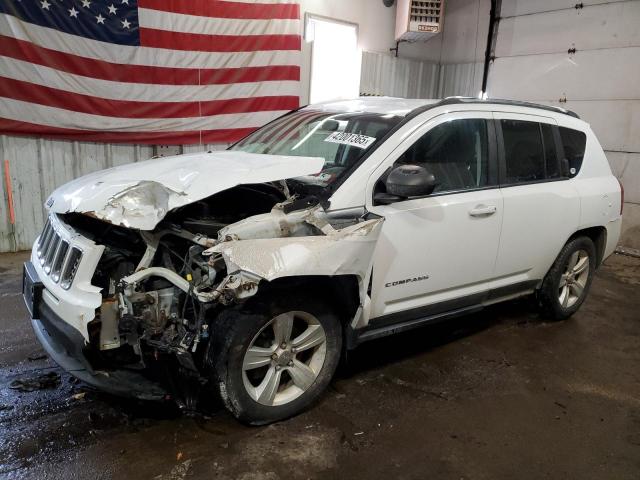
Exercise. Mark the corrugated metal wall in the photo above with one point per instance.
(38, 166)
(384, 74)
(463, 79)
(536, 61)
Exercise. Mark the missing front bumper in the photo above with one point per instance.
(64, 344)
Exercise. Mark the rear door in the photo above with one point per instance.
(541, 206)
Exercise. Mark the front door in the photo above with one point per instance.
(438, 253)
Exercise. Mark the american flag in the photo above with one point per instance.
(147, 71)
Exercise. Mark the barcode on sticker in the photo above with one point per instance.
(353, 139)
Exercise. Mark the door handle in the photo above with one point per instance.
(483, 210)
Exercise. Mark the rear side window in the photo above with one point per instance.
(523, 150)
(573, 143)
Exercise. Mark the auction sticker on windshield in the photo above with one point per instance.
(353, 139)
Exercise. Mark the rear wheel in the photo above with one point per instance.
(567, 283)
(275, 357)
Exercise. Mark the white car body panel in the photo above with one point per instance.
(534, 229)
(457, 264)
(139, 195)
(599, 192)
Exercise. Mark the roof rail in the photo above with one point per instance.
(497, 101)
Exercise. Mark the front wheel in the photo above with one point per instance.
(567, 283)
(274, 357)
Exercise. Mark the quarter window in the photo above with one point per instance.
(455, 152)
(573, 143)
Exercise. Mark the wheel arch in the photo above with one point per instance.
(598, 236)
(341, 291)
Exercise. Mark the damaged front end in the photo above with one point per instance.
(162, 289)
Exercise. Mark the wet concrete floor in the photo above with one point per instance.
(497, 395)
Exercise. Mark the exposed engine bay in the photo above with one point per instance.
(162, 288)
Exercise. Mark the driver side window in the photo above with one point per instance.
(455, 152)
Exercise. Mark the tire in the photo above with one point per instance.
(238, 372)
(562, 293)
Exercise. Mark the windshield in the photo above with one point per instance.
(340, 138)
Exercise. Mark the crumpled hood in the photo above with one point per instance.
(139, 195)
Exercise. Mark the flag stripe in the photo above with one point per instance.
(228, 135)
(225, 9)
(268, 134)
(178, 22)
(52, 97)
(147, 71)
(151, 37)
(118, 72)
(124, 54)
(50, 77)
(57, 117)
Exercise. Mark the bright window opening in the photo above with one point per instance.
(335, 59)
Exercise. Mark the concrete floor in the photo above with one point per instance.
(498, 395)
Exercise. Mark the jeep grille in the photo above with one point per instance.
(59, 260)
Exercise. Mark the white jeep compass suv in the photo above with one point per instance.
(246, 273)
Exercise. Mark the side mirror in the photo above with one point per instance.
(406, 181)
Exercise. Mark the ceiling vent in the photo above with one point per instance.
(419, 21)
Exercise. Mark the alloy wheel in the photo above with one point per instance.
(574, 279)
(284, 358)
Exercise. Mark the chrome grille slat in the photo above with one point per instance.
(70, 268)
(59, 258)
(64, 265)
(57, 252)
(41, 240)
(51, 252)
(47, 234)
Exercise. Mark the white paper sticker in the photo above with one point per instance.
(353, 139)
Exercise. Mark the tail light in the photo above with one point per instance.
(621, 196)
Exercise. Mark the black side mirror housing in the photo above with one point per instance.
(406, 181)
(410, 181)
